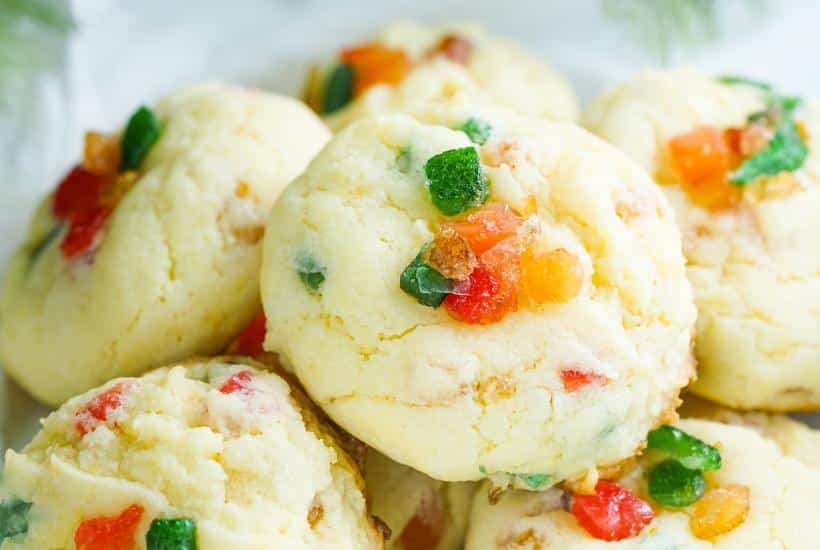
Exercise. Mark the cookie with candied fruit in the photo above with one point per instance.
(213, 454)
(740, 162)
(699, 484)
(408, 63)
(148, 250)
(480, 309)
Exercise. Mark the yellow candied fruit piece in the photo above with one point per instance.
(312, 92)
(101, 153)
(719, 511)
(450, 255)
(803, 131)
(531, 207)
(123, 183)
(242, 189)
(555, 276)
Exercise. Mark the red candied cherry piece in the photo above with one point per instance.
(83, 226)
(250, 340)
(612, 513)
(237, 382)
(96, 411)
(575, 379)
(79, 191)
(473, 300)
(491, 291)
(426, 528)
(110, 533)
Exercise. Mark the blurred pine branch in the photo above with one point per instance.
(664, 26)
(32, 34)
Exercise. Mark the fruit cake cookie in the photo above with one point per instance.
(408, 62)
(475, 293)
(209, 455)
(148, 251)
(700, 484)
(739, 163)
(422, 513)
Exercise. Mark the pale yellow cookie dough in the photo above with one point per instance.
(782, 513)
(253, 468)
(755, 269)
(793, 437)
(422, 513)
(176, 273)
(456, 401)
(498, 70)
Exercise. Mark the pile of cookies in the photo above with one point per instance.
(425, 310)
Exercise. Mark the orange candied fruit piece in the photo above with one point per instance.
(715, 194)
(699, 154)
(426, 528)
(96, 411)
(250, 340)
(101, 154)
(555, 276)
(702, 159)
(487, 227)
(374, 64)
(719, 511)
(108, 533)
(504, 261)
(576, 379)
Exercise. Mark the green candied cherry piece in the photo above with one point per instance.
(785, 152)
(339, 88)
(13, 517)
(477, 130)
(456, 182)
(311, 272)
(43, 244)
(171, 534)
(534, 481)
(690, 451)
(673, 484)
(424, 283)
(141, 132)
